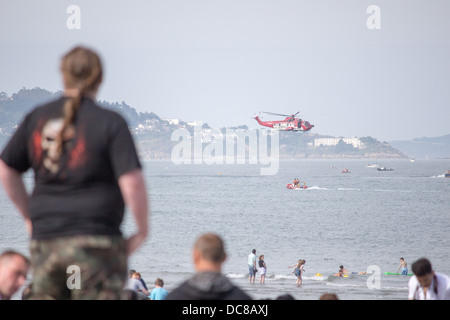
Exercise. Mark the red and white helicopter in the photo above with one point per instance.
(291, 123)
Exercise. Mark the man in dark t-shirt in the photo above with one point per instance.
(86, 169)
(208, 283)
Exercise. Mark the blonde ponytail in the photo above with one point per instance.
(82, 71)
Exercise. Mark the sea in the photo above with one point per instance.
(364, 220)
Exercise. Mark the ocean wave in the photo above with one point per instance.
(346, 284)
(237, 275)
(394, 288)
(317, 188)
(279, 277)
(269, 276)
(317, 277)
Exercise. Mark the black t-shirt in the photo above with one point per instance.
(78, 192)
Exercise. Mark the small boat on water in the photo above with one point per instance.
(291, 186)
(345, 171)
(372, 165)
(384, 169)
(447, 174)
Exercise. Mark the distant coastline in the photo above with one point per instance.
(153, 134)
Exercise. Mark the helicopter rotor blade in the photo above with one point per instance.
(284, 115)
(276, 114)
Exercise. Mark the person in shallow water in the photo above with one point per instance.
(340, 273)
(403, 266)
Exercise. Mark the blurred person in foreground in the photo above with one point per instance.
(14, 268)
(86, 170)
(426, 284)
(208, 283)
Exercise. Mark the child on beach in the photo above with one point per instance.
(159, 293)
(298, 271)
(262, 269)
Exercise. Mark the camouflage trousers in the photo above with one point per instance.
(78, 267)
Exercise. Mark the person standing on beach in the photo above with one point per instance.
(252, 266)
(86, 171)
(426, 284)
(403, 266)
(262, 269)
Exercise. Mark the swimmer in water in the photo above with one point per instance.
(340, 273)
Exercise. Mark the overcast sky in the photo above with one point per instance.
(223, 61)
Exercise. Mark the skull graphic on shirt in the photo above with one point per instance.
(49, 143)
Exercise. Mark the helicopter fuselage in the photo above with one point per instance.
(288, 124)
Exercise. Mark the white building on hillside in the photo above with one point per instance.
(334, 141)
(173, 121)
